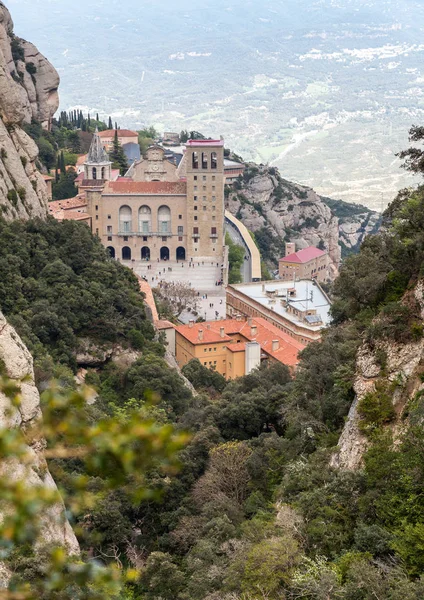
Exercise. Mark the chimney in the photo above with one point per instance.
(238, 317)
(222, 332)
(200, 336)
(263, 287)
(191, 323)
(275, 345)
(208, 326)
(253, 331)
(250, 321)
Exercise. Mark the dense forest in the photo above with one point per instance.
(254, 509)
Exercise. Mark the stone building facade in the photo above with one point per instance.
(158, 211)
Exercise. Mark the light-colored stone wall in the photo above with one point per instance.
(154, 167)
(315, 268)
(106, 208)
(205, 212)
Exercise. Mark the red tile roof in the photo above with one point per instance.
(94, 183)
(191, 333)
(70, 203)
(71, 215)
(287, 351)
(163, 324)
(303, 256)
(172, 188)
(121, 133)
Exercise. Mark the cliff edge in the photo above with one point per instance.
(28, 91)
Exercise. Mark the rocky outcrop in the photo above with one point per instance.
(295, 213)
(28, 90)
(403, 368)
(16, 363)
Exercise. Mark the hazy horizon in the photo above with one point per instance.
(326, 91)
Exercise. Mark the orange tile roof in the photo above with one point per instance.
(76, 202)
(303, 256)
(121, 133)
(286, 353)
(81, 160)
(47, 178)
(191, 333)
(71, 215)
(146, 187)
(237, 347)
(163, 324)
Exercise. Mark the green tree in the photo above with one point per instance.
(117, 155)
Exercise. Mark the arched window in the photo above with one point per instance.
(181, 253)
(94, 173)
(145, 253)
(126, 253)
(214, 160)
(103, 172)
(195, 160)
(145, 219)
(125, 215)
(111, 251)
(164, 253)
(204, 160)
(164, 220)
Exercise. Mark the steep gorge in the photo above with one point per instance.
(28, 91)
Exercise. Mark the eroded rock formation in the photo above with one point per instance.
(28, 90)
(16, 363)
(404, 367)
(296, 213)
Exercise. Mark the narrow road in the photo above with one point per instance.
(246, 269)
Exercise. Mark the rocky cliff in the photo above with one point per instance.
(267, 203)
(16, 364)
(28, 91)
(401, 366)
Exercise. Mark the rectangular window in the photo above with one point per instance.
(164, 239)
(180, 217)
(195, 218)
(204, 188)
(213, 188)
(195, 230)
(204, 198)
(144, 239)
(213, 218)
(195, 208)
(195, 188)
(180, 230)
(164, 226)
(109, 216)
(213, 198)
(145, 226)
(97, 217)
(195, 178)
(97, 232)
(213, 230)
(204, 177)
(97, 207)
(195, 198)
(213, 207)
(180, 239)
(213, 177)
(109, 228)
(125, 238)
(109, 239)
(204, 208)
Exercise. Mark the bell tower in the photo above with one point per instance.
(97, 165)
(204, 163)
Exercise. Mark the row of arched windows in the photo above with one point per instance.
(180, 253)
(144, 219)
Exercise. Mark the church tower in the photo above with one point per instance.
(97, 165)
(204, 164)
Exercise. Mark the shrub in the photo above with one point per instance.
(376, 408)
(12, 196)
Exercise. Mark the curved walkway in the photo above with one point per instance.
(234, 225)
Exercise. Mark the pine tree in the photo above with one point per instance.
(97, 117)
(117, 155)
(57, 169)
(62, 165)
(110, 126)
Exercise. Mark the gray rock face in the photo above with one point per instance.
(16, 361)
(28, 90)
(404, 365)
(296, 213)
